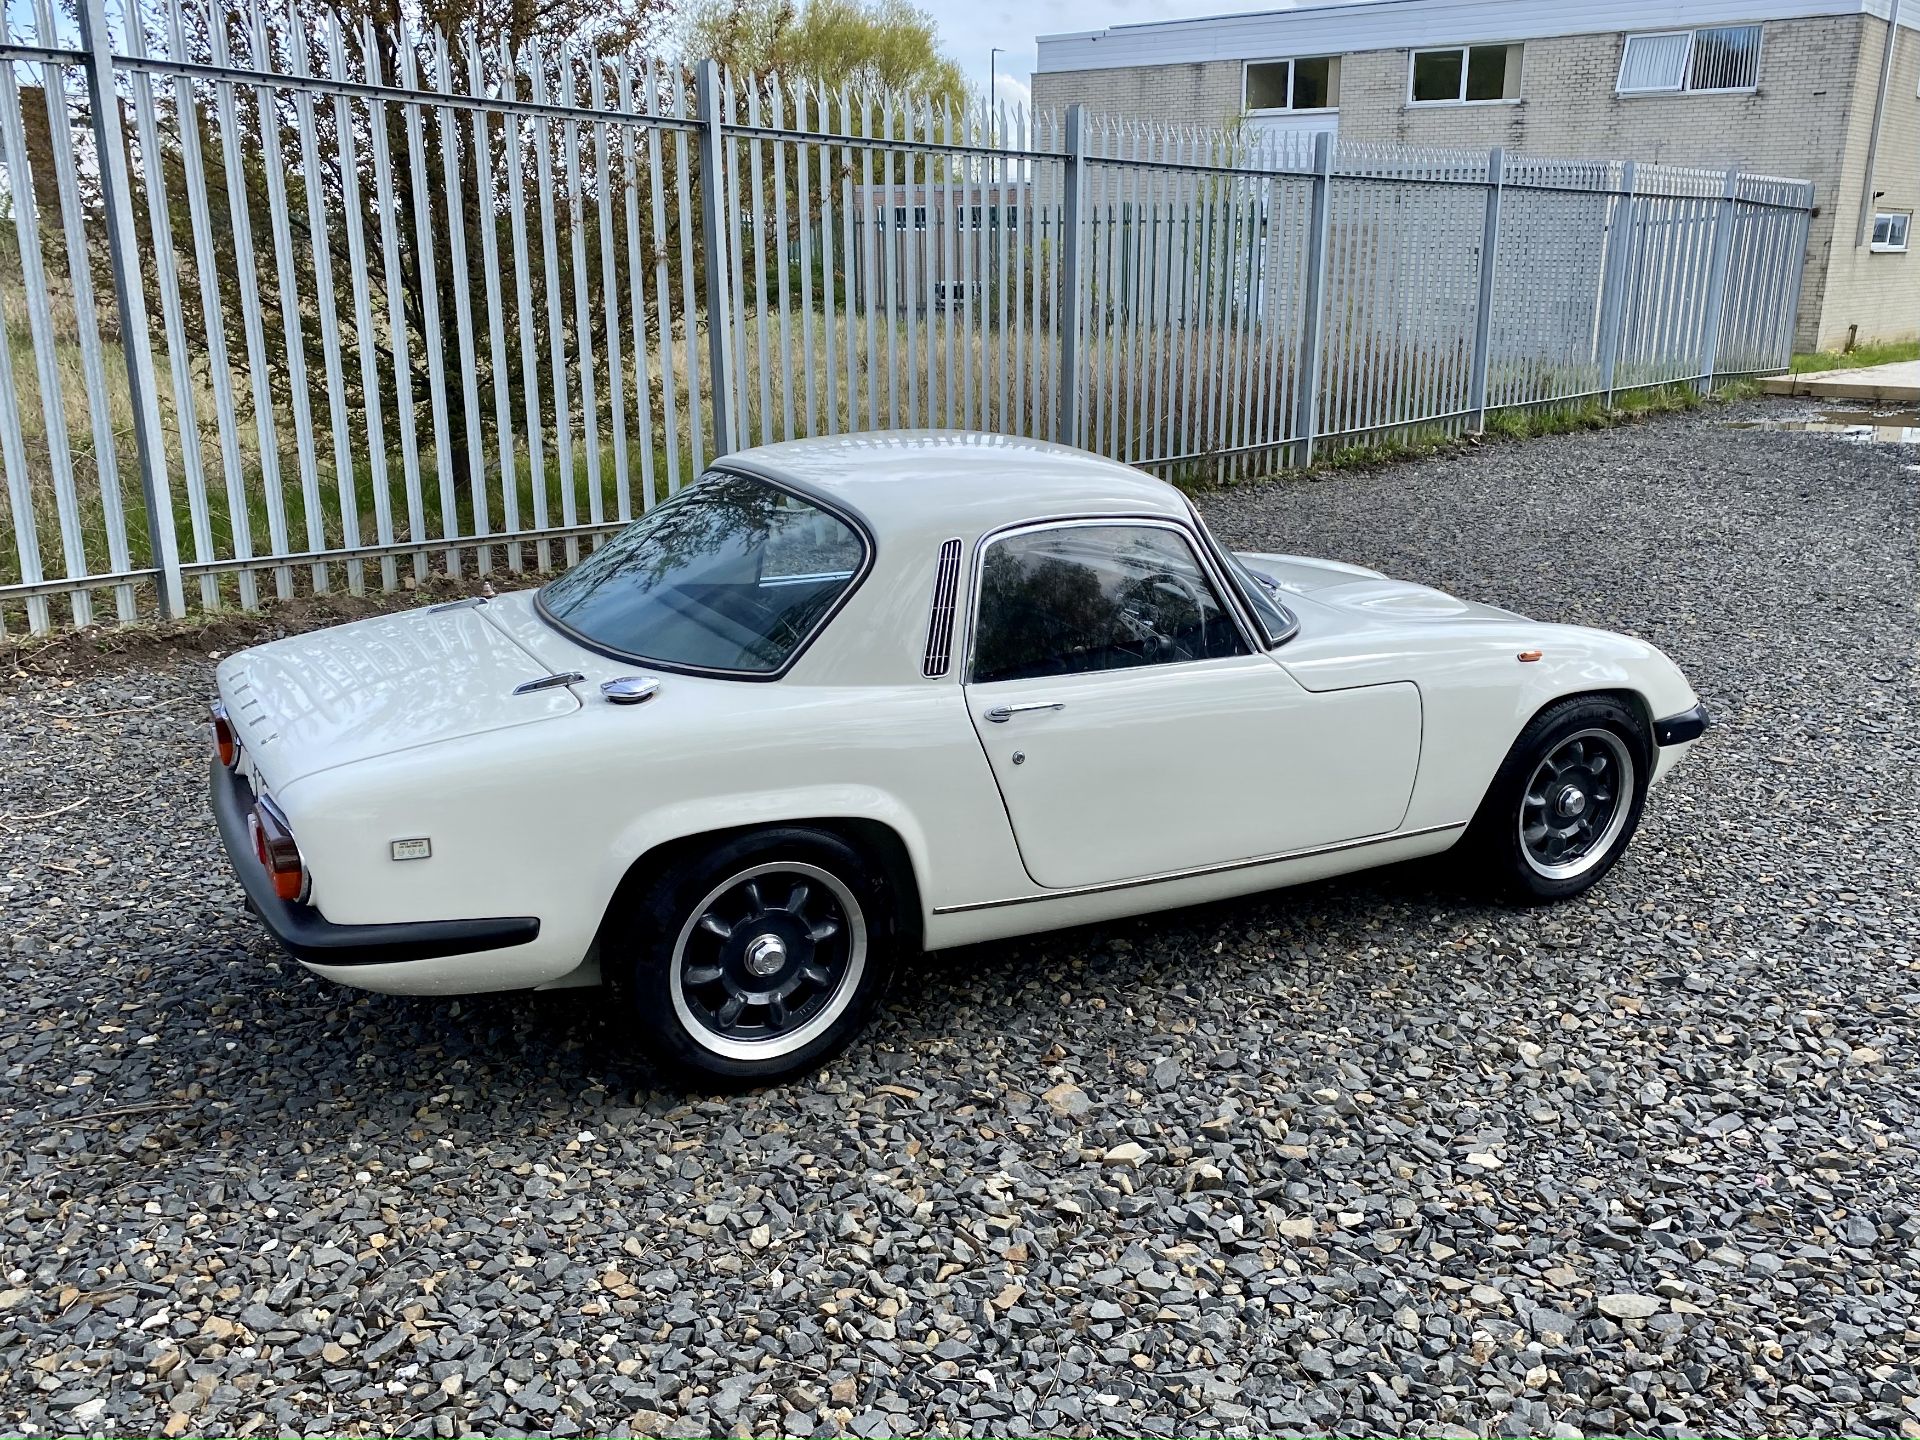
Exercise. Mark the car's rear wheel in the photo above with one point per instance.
(1565, 802)
(755, 960)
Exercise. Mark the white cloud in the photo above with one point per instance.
(1012, 90)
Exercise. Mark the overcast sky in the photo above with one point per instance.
(971, 28)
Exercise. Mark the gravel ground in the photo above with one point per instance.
(1363, 1157)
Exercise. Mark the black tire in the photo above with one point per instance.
(1590, 809)
(823, 908)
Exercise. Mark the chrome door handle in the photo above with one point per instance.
(1000, 714)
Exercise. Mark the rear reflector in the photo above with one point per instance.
(225, 743)
(278, 855)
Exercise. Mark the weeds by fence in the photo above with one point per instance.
(356, 302)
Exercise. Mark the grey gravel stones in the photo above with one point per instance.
(1366, 1157)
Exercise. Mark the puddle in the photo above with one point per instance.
(1862, 427)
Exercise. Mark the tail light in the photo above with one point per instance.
(225, 743)
(279, 856)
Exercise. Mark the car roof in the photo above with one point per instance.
(919, 483)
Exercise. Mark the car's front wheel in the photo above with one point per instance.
(753, 961)
(1566, 800)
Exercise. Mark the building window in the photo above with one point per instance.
(1890, 229)
(1465, 75)
(1674, 62)
(1312, 83)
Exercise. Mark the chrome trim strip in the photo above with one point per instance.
(1221, 556)
(1199, 870)
(550, 682)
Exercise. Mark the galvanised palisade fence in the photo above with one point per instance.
(289, 304)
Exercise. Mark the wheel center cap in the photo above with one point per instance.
(1571, 801)
(766, 954)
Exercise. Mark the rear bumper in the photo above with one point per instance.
(1679, 729)
(310, 937)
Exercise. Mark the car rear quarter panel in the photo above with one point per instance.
(547, 819)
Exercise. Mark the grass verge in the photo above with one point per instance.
(1532, 422)
(1890, 352)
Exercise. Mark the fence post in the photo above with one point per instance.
(715, 233)
(1483, 318)
(123, 246)
(1717, 278)
(1613, 282)
(1803, 237)
(1073, 197)
(1306, 398)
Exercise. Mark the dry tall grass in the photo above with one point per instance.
(1217, 393)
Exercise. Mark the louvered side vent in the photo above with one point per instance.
(946, 588)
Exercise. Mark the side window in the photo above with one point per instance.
(1076, 598)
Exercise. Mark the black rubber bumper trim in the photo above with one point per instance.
(1678, 729)
(309, 936)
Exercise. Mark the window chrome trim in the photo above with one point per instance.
(724, 465)
(1219, 554)
(1201, 554)
(1199, 871)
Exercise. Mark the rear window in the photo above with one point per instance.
(732, 575)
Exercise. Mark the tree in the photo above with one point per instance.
(883, 46)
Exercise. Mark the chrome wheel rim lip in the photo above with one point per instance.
(1598, 824)
(785, 1043)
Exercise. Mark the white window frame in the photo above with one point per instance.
(1686, 86)
(1413, 57)
(1686, 64)
(1904, 219)
(1288, 109)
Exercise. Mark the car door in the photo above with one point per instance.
(1133, 729)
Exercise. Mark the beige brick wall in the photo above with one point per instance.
(1878, 293)
(1808, 120)
(1188, 94)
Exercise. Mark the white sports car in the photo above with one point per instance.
(845, 699)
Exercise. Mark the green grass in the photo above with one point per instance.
(1889, 352)
(1414, 444)
(1530, 422)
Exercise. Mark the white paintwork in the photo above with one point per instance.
(309, 703)
(1380, 722)
(1174, 766)
(1345, 29)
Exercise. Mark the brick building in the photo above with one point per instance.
(1784, 87)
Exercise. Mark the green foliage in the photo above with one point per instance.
(1532, 422)
(1888, 352)
(1413, 444)
(873, 45)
